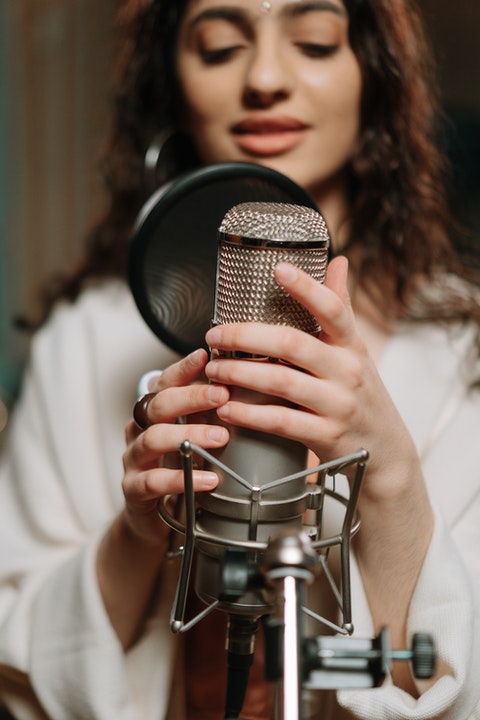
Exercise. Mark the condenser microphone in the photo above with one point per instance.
(252, 500)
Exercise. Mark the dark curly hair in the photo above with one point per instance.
(399, 226)
(401, 229)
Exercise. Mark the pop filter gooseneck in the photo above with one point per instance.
(173, 251)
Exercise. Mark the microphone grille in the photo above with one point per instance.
(275, 221)
(253, 238)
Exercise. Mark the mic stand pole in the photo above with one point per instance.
(289, 563)
(297, 663)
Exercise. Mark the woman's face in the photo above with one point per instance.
(274, 83)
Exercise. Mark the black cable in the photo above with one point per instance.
(240, 653)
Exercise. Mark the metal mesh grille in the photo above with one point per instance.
(275, 221)
(246, 290)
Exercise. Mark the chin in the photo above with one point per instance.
(279, 164)
(291, 169)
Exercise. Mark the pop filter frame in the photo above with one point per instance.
(173, 249)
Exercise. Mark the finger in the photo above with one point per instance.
(274, 341)
(337, 278)
(182, 372)
(149, 485)
(320, 433)
(174, 402)
(157, 440)
(334, 316)
(276, 380)
(329, 303)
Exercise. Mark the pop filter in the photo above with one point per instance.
(173, 251)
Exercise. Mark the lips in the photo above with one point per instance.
(268, 136)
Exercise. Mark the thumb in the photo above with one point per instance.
(337, 278)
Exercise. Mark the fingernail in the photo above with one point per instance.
(286, 272)
(208, 480)
(223, 412)
(196, 357)
(213, 337)
(211, 369)
(217, 434)
(216, 393)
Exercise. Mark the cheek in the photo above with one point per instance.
(338, 91)
(350, 96)
(203, 101)
(347, 110)
(202, 115)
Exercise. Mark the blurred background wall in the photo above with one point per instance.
(454, 30)
(55, 70)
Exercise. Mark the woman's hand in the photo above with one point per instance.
(339, 401)
(339, 406)
(149, 473)
(131, 553)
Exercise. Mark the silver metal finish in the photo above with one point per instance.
(291, 651)
(253, 239)
(197, 536)
(289, 561)
(290, 564)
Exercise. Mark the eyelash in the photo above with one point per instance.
(318, 51)
(216, 57)
(312, 50)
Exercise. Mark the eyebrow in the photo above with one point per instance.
(233, 14)
(293, 9)
(302, 7)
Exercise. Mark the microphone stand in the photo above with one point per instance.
(324, 662)
(286, 564)
(284, 640)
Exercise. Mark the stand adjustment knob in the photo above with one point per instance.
(423, 656)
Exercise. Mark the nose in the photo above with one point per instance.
(268, 78)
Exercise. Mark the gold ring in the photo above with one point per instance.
(140, 411)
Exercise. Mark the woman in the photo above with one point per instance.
(334, 95)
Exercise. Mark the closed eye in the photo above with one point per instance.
(315, 50)
(214, 57)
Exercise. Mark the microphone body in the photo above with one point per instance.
(251, 501)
